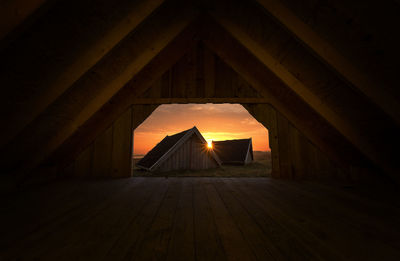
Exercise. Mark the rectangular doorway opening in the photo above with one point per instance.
(196, 140)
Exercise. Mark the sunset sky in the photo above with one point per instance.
(214, 121)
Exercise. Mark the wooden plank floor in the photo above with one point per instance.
(197, 219)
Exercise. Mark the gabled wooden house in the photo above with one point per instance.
(234, 151)
(184, 150)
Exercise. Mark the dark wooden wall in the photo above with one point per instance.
(110, 154)
(293, 155)
(328, 67)
(200, 76)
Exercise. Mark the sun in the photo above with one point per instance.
(209, 144)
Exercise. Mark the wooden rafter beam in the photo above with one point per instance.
(360, 133)
(99, 85)
(281, 97)
(333, 58)
(126, 97)
(71, 61)
(289, 79)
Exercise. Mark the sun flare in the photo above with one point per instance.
(209, 144)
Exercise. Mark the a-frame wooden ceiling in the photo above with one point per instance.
(68, 68)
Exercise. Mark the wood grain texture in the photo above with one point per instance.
(334, 99)
(266, 115)
(299, 113)
(122, 145)
(120, 102)
(361, 35)
(57, 63)
(327, 52)
(192, 154)
(199, 219)
(293, 155)
(300, 158)
(102, 155)
(97, 86)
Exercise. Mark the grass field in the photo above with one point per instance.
(260, 167)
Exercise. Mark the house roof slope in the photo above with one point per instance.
(232, 151)
(160, 149)
(167, 146)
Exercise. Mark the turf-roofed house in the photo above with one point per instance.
(234, 152)
(185, 150)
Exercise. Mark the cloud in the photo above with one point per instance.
(196, 108)
(249, 121)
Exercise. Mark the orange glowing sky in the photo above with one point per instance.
(214, 121)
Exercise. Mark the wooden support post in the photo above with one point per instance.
(273, 138)
(122, 145)
(286, 158)
(83, 163)
(102, 154)
(266, 115)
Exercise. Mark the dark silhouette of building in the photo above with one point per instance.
(184, 150)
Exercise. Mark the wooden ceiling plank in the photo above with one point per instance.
(333, 58)
(126, 97)
(284, 99)
(291, 81)
(97, 86)
(84, 56)
(361, 136)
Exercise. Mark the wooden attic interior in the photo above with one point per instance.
(78, 77)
